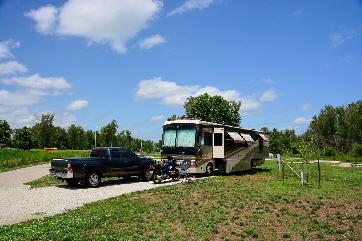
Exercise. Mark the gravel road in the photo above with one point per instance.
(19, 202)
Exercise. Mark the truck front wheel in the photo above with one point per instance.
(92, 179)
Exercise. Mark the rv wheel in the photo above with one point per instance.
(209, 169)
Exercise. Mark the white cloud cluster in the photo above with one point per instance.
(302, 120)
(190, 5)
(172, 94)
(156, 118)
(77, 105)
(306, 106)
(26, 90)
(111, 22)
(151, 41)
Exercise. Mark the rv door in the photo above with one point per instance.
(218, 147)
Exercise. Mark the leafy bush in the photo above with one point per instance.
(357, 150)
(330, 151)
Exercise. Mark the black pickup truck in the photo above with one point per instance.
(103, 162)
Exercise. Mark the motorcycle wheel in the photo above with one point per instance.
(177, 176)
(157, 177)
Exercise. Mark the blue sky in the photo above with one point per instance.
(136, 61)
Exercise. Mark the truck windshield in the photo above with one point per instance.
(179, 138)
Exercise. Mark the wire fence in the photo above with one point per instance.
(315, 173)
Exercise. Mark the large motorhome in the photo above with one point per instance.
(213, 146)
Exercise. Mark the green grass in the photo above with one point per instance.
(253, 205)
(15, 159)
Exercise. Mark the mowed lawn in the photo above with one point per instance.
(253, 205)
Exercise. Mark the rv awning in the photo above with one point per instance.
(237, 138)
(247, 138)
(264, 137)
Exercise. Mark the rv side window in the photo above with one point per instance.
(205, 139)
(218, 139)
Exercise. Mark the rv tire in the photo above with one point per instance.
(209, 169)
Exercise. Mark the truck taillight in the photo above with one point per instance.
(151, 168)
(193, 164)
(70, 167)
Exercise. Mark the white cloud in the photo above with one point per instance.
(250, 105)
(339, 38)
(17, 98)
(45, 17)
(36, 82)
(156, 118)
(172, 94)
(306, 106)
(151, 41)
(5, 47)
(268, 95)
(190, 5)
(112, 22)
(66, 120)
(297, 13)
(302, 120)
(77, 105)
(267, 80)
(28, 90)
(228, 95)
(12, 67)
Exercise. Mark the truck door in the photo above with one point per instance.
(218, 145)
(117, 163)
(131, 165)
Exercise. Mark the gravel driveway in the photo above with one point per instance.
(19, 202)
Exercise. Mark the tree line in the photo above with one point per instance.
(335, 131)
(45, 134)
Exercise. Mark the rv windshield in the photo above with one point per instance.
(179, 138)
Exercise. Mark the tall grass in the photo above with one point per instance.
(14, 159)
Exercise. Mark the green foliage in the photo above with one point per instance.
(5, 132)
(46, 181)
(215, 108)
(281, 142)
(43, 131)
(76, 137)
(357, 150)
(45, 134)
(338, 127)
(246, 206)
(22, 138)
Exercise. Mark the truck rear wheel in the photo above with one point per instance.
(92, 179)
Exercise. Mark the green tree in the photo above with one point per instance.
(215, 108)
(173, 117)
(124, 139)
(22, 138)
(89, 140)
(59, 138)
(76, 137)
(43, 131)
(5, 132)
(108, 133)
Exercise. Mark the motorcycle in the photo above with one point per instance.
(159, 172)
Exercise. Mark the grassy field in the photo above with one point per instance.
(252, 205)
(15, 159)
